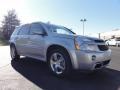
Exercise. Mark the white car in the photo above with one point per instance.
(113, 42)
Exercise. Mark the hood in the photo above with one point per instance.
(89, 39)
(64, 36)
(93, 38)
(79, 38)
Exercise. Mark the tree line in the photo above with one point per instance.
(9, 23)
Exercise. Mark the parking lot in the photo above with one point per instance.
(28, 74)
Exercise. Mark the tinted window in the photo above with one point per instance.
(24, 30)
(117, 39)
(36, 27)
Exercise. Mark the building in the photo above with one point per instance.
(110, 34)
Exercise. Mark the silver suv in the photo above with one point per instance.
(61, 48)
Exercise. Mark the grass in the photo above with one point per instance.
(3, 42)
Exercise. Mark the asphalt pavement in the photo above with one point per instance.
(29, 74)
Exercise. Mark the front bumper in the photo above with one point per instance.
(92, 60)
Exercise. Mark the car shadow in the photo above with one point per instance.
(38, 73)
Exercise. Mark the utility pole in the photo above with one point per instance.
(83, 21)
(99, 35)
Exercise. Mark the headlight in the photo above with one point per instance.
(85, 46)
(76, 43)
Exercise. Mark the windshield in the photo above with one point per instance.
(62, 30)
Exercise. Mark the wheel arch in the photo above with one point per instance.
(55, 46)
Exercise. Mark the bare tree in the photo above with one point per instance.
(9, 23)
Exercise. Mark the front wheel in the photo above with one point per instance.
(59, 62)
(14, 54)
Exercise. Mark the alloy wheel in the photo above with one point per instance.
(57, 63)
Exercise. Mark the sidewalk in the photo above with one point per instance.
(4, 56)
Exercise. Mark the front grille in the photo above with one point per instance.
(98, 65)
(101, 64)
(99, 41)
(103, 47)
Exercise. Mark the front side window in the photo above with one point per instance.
(24, 30)
(62, 30)
(36, 27)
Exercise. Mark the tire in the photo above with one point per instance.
(118, 45)
(14, 54)
(59, 62)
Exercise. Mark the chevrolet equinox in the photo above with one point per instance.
(61, 48)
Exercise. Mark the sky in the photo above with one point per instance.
(101, 15)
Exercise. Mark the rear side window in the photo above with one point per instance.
(36, 27)
(24, 30)
(16, 31)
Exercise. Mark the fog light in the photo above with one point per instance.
(93, 57)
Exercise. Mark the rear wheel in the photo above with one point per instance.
(14, 54)
(59, 62)
(117, 44)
